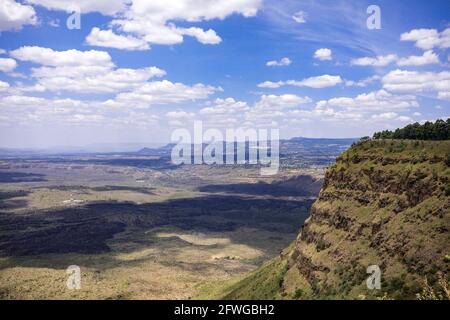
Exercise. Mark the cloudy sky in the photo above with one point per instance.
(137, 69)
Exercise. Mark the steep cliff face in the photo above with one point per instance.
(383, 203)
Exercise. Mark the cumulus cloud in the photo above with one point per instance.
(202, 36)
(28, 111)
(227, 106)
(323, 54)
(81, 71)
(271, 85)
(7, 64)
(50, 57)
(280, 102)
(378, 61)
(429, 57)
(94, 80)
(385, 116)
(427, 39)
(281, 63)
(107, 38)
(164, 92)
(14, 15)
(323, 81)
(414, 81)
(380, 100)
(263, 113)
(155, 21)
(362, 83)
(318, 82)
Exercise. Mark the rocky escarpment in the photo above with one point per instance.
(383, 203)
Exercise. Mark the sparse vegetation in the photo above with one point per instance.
(384, 203)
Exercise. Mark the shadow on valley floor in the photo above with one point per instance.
(84, 189)
(143, 190)
(157, 163)
(92, 228)
(14, 177)
(296, 186)
(8, 199)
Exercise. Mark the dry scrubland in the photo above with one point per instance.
(138, 232)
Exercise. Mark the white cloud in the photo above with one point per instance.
(155, 21)
(280, 102)
(444, 95)
(392, 116)
(94, 79)
(373, 101)
(385, 116)
(362, 83)
(107, 38)
(179, 114)
(270, 84)
(318, 82)
(202, 36)
(105, 7)
(4, 86)
(405, 119)
(378, 61)
(427, 39)
(81, 71)
(282, 63)
(225, 106)
(429, 57)
(263, 113)
(271, 109)
(414, 81)
(7, 64)
(323, 54)
(14, 15)
(164, 92)
(49, 57)
(299, 17)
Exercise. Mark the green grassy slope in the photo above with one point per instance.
(385, 203)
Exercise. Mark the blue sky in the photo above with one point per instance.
(137, 70)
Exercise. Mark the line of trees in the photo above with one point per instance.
(439, 130)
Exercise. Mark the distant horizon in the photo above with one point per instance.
(139, 145)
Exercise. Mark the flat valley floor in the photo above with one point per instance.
(139, 230)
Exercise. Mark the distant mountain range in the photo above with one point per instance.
(290, 149)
